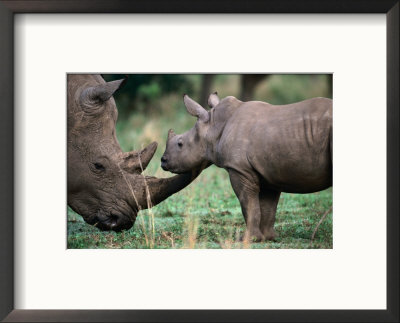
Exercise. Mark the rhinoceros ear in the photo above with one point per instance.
(213, 100)
(195, 109)
(94, 95)
(137, 161)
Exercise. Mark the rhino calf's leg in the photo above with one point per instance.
(268, 203)
(247, 191)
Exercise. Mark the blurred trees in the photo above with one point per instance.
(248, 85)
(248, 82)
(143, 90)
(144, 93)
(207, 80)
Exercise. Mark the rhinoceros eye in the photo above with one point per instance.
(99, 166)
(180, 143)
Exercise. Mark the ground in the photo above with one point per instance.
(207, 214)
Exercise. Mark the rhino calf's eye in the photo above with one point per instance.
(180, 144)
(99, 166)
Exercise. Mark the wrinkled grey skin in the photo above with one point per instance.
(266, 149)
(105, 185)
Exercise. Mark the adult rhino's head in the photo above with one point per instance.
(105, 184)
(188, 151)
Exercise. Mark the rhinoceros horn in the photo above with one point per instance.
(137, 161)
(171, 134)
(155, 190)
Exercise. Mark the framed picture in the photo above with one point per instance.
(56, 267)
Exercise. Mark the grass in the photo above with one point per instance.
(207, 213)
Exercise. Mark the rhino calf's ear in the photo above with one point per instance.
(213, 100)
(195, 109)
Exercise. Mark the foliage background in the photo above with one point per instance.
(207, 213)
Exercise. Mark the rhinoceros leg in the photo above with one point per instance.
(268, 203)
(247, 192)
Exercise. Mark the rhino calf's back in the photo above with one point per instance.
(288, 147)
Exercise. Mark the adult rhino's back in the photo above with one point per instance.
(289, 145)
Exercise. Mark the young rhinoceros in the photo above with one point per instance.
(266, 149)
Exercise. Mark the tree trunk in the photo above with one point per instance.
(206, 88)
(248, 85)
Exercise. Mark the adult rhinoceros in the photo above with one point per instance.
(105, 185)
(266, 149)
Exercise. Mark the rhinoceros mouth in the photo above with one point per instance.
(164, 166)
(113, 222)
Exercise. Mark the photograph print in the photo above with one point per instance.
(199, 161)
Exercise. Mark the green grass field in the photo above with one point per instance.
(206, 214)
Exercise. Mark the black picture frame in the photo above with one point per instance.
(7, 11)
